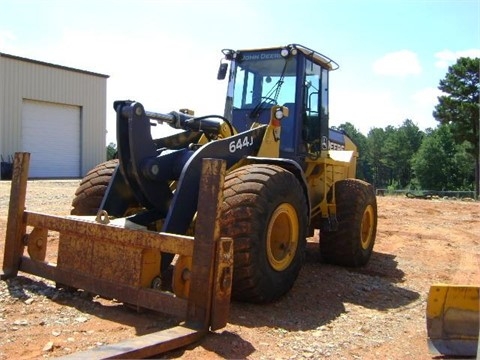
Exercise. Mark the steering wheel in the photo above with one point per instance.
(268, 100)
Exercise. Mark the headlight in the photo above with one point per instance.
(279, 114)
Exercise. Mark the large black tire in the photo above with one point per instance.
(265, 212)
(352, 244)
(93, 186)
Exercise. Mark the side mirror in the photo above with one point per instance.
(222, 71)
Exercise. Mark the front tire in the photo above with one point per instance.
(93, 186)
(265, 212)
(352, 244)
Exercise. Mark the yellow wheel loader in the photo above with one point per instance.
(287, 173)
(220, 207)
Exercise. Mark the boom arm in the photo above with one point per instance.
(148, 170)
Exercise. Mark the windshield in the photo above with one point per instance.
(264, 77)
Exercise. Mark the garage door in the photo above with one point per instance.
(51, 133)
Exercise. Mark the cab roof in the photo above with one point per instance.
(315, 56)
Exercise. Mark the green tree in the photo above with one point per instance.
(441, 164)
(111, 151)
(380, 173)
(459, 107)
(400, 145)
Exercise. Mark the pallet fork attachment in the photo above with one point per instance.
(109, 260)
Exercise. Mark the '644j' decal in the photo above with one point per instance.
(240, 143)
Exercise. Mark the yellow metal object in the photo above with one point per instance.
(187, 111)
(321, 174)
(270, 145)
(453, 319)
(282, 237)
(150, 266)
(182, 273)
(368, 222)
(271, 140)
(37, 244)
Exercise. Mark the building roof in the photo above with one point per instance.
(52, 65)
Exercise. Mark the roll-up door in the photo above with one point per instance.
(51, 133)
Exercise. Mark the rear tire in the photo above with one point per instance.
(352, 244)
(93, 186)
(265, 212)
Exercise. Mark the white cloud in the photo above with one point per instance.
(378, 109)
(445, 58)
(400, 63)
(365, 109)
(427, 96)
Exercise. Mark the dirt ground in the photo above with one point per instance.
(377, 311)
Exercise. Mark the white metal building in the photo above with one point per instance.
(56, 113)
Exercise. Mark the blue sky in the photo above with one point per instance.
(165, 53)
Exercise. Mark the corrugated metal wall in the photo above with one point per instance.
(2, 107)
(28, 79)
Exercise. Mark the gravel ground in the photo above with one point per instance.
(377, 311)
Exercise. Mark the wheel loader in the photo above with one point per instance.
(219, 208)
(287, 174)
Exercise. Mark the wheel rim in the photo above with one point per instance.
(282, 237)
(367, 227)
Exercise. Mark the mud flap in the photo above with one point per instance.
(453, 320)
